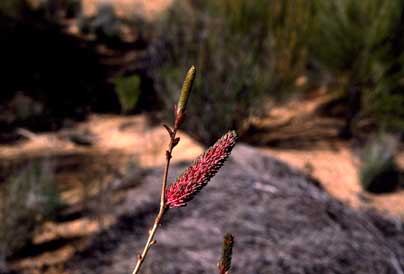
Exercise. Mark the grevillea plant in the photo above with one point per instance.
(184, 189)
(200, 172)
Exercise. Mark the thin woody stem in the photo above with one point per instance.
(168, 159)
(179, 119)
(152, 232)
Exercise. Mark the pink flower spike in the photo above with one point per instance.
(200, 172)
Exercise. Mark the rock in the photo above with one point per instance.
(283, 222)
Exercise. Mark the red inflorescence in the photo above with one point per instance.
(200, 172)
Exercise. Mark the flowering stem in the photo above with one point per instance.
(157, 221)
(179, 119)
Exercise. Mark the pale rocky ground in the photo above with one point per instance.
(131, 138)
(337, 170)
(118, 142)
(88, 174)
(283, 222)
(309, 142)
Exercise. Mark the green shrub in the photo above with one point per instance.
(246, 51)
(379, 172)
(26, 199)
(362, 44)
(128, 91)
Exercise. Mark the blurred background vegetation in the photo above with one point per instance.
(251, 54)
(59, 65)
(247, 52)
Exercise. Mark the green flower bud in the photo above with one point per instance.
(185, 91)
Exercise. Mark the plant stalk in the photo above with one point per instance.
(179, 119)
(157, 221)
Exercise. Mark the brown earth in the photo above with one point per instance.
(93, 160)
(282, 220)
(298, 135)
(91, 163)
(124, 8)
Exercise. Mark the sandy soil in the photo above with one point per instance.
(130, 136)
(114, 143)
(310, 143)
(338, 173)
(148, 8)
(118, 141)
(90, 176)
